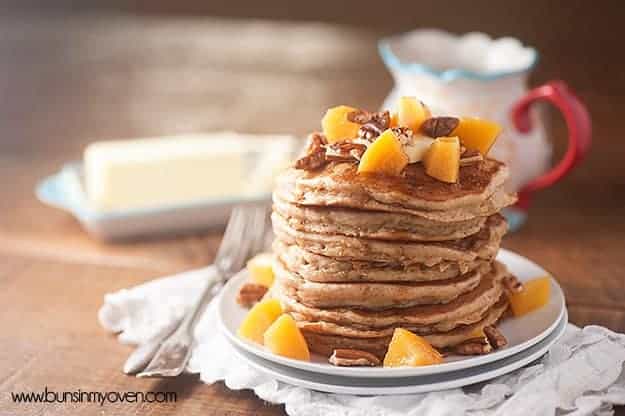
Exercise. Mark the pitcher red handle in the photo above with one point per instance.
(577, 121)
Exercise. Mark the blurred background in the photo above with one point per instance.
(95, 69)
(77, 71)
(72, 72)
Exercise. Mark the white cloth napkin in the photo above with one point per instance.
(582, 374)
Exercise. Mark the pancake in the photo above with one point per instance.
(373, 224)
(358, 255)
(482, 245)
(476, 301)
(326, 343)
(359, 331)
(374, 295)
(317, 268)
(339, 185)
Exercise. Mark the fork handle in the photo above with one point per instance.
(179, 344)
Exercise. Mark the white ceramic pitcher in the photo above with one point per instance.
(474, 75)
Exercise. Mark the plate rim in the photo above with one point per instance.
(367, 372)
(450, 381)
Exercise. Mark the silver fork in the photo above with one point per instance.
(244, 237)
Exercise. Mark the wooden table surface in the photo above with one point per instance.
(67, 81)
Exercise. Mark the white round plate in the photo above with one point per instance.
(403, 385)
(521, 333)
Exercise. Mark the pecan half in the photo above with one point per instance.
(351, 358)
(250, 293)
(512, 284)
(473, 346)
(495, 338)
(342, 151)
(439, 126)
(315, 156)
(359, 116)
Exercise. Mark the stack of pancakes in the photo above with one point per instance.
(358, 255)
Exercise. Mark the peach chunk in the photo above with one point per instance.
(261, 269)
(259, 318)
(410, 350)
(336, 126)
(385, 155)
(411, 113)
(442, 161)
(477, 134)
(394, 121)
(535, 294)
(284, 338)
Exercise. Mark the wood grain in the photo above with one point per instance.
(70, 80)
(56, 342)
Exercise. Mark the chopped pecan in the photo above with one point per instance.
(473, 346)
(311, 161)
(495, 338)
(470, 157)
(464, 152)
(403, 134)
(512, 284)
(445, 352)
(316, 141)
(369, 132)
(350, 358)
(345, 150)
(439, 126)
(375, 125)
(382, 119)
(315, 156)
(250, 293)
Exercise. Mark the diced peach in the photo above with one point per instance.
(284, 338)
(442, 160)
(394, 121)
(410, 350)
(385, 155)
(411, 113)
(477, 134)
(336, 126)
(261, 269)
(259, 318)
(535, 295)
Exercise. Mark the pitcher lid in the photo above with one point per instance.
(447, 56)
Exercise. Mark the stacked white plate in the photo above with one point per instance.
(529, 338)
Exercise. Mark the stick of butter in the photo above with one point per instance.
(167, 171)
